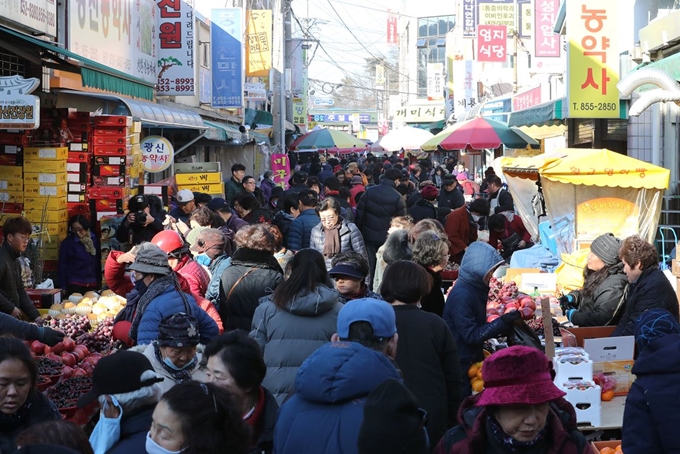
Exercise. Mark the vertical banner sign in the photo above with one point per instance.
(435, 78)
(466, 88)
(392, 38)
(497, 12)
(204, 85)
(299, 112)
(281, 168)
(547, 43)
(379, 76)
(295, 53)
(526, 19)
(226, 34)
(492, 42)
(469, 18)
(259, 39)
(452, 55)
(593, 60)
(176, 75)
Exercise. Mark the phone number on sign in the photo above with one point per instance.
(180, 84)
(595, 106)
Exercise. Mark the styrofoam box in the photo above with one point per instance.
(590, 399)
(572, 372)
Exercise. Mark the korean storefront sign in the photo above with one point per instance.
(119, 34)
(157, 154)
(465, 87)
(281, 168)
(469, 18)
(259, 42)
(176, 76)
(204, 85)
(593, 59)
(496, 12)
(416, 113)
(435, 81)
(492, 42)
(19, 109)
(392, 38)
(226, 35)
(39, 15)
(547, 43)
(526, 19)
(527, 99)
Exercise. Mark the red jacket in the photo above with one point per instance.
(514, 226)
(356, 189)
(198, 280)
(459, 231)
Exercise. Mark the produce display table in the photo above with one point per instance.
(612, 415)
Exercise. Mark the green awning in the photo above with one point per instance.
(670, 65)
(220, 132)
(260, 138)
(258, 117)
(551, 113)
(94, 74)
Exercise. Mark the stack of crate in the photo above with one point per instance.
(79, 164)
(205, 177)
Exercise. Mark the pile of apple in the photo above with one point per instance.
(524, 303)
(498, 290)
(77, 359)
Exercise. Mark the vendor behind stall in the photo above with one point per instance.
(601, 300)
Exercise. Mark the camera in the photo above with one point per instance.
(137, 207)
(140, 217)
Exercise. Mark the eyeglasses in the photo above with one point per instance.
(327, 219)
(249, 182)
(78, 230)
(23, 238)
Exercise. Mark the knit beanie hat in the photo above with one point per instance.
(429, 192)
(393, 423)
(606, 247)
(178, 330)
(653, 324)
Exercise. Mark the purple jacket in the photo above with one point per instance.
(76, 265)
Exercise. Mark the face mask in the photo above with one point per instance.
(141, 287)
(172, 366)
(203, 259)
(154, 448)
(476, 218)
(107, 431)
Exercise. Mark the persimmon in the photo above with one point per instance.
(607, 396)
(607, 450)
(472, 371)
(479, 374)
(477, 385)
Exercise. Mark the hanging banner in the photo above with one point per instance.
(259, 39)
(379, 76)
(492, 42)
(527, 99)
(452, 54)
(435, 81)
(392, 36)
(295, 54)
(469, 18)
(19, 109)
(593, 61)
(465, 88)
(157, 154)
(299, 112)
(547, 43)
(496, 12)
(226, 34)
(281, 168)
(526, 19)
(120, 35)
(176, 75)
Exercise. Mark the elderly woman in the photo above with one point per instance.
(174, 356)
(514, 414)
(334, 235)
(254, 273)
(234, 361)
(21, 405)
(431, 251)
(600, 301)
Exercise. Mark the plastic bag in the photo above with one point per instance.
(570, 271)
(521, 334)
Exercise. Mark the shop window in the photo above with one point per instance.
(12, 65)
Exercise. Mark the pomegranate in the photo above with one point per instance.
(38, 347)
(68, 359)
(491, 318)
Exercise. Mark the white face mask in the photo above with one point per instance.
(476, 217)
(154, 448)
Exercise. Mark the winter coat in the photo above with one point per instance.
(460, 231)
(167, 303)
(283, 221)
(650, 418)
(356, 189)
(434, 301)
(180, 215)
(300, 230)
(375, 211)
(350, 240)
(451, 199)
(501, 201)
(41, 410)
(364, 293)
(216, 269)
(651, 290)
(199, 280)
(264, 275)
(327, 172)
(12, 293)
(141, 234)
(76, 265)
(263, 430)
(266, 187)
(287, 336)
(14, 327)
(465, 310)
(511, 227)
(133, 430)
(422, 209)
(472, 435)
(428, 359)
(599, 309)
(168, 382)
(413, 198)
(231, 188)
(327, 410)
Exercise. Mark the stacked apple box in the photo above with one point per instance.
(79, 164)
(205, 177)
(574, 376)
(11, 175)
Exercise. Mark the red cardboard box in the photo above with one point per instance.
(11, 159)
(78, 208)
(76, 188)
(110, 131)
(108, 171)
(77, 177)
(121, 180)
(114, 160)
(102, 150)
(108, 192)
(14, 139)
(77, 167)
(13, 208)
(105, 205)
(78, 156)
(113, 120)
(44, 298)
(112, 140)
(77, 125)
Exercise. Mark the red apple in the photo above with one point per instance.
(59, 348)
(491, 318)
(511, 307)
(68, 359)
(38, 347)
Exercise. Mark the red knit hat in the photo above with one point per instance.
(517, 375)
(429, 192)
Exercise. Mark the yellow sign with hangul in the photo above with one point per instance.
(198, 178)
(46, 179)
(46, 215)
(204, 188)
(258, 42)
(40, 190)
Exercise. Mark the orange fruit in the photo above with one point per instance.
(472, 371)
(607, 451)
(618, 448)
(477, 385)
(607, 396)
(479, 374)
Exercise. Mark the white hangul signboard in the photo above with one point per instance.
(38, 15)
(121, 34)
(465, 87)
(19, 109)
(435, 81)
(157, 154)
(176, 75)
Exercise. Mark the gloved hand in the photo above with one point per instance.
(569, 314)
(567, 302)
(49, 336)
(509, 318)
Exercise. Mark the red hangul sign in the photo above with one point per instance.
(392, 36)
(492, 42)
(547, 43)
(175, 48)
(527, 99)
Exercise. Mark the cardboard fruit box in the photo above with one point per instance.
(597, 446)
(54, 154)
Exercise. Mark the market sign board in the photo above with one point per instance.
(497, 12)
(593, 59)
(469, 18)
(176, 76)
(547, 43)
(19, 109)
(420, 113)
(38, 15)
(226, 38)
(492, 42)
(157, 154)
(259, 42)
(119, 34)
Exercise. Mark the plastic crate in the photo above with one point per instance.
(572, 372)
(587, 404)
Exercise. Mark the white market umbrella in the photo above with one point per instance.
(407, 138)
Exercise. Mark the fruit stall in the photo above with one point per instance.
(65, 370)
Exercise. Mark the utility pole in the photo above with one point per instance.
(277, 73)
(288, 34)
